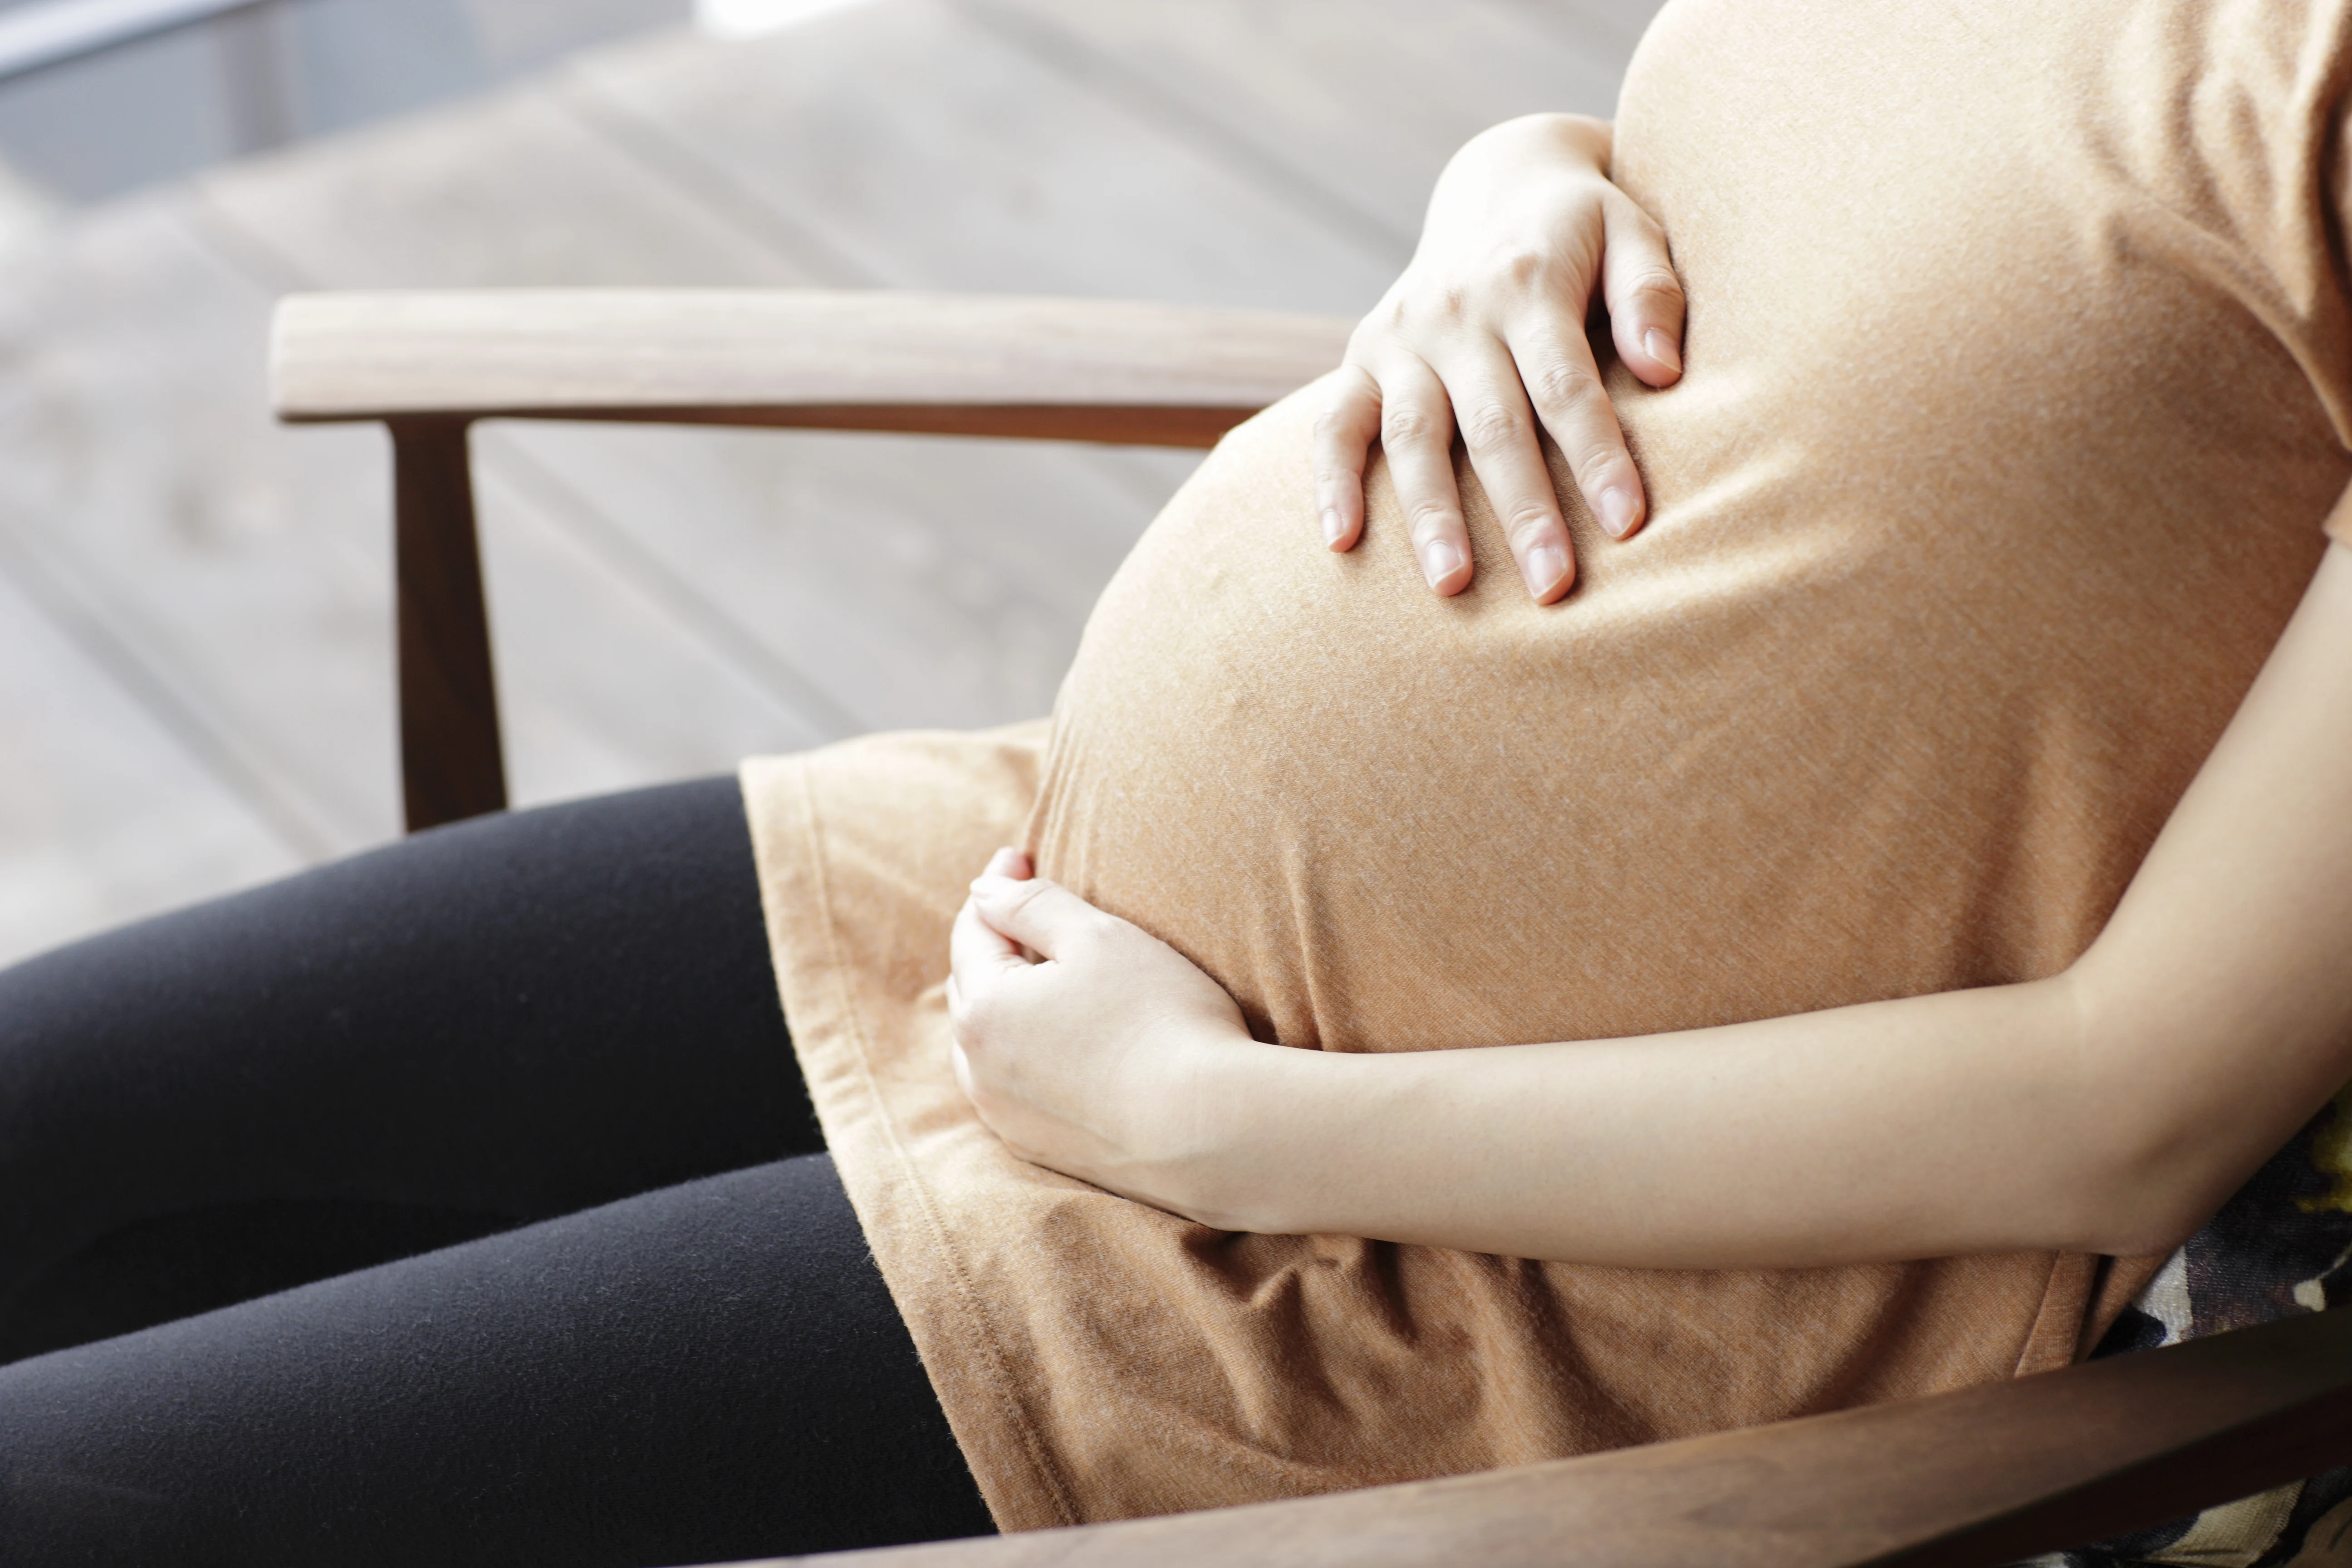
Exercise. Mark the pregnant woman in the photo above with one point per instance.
(1877, 789)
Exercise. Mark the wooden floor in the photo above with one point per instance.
(195, 649)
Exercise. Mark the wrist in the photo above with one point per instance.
(1252, 1157)
(1523, 171)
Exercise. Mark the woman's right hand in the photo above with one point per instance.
(1485, 331)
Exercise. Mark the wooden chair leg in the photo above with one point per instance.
(451, 764)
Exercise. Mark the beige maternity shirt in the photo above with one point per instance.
(2020, 382)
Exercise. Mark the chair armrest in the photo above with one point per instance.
(1982, 1476)
(429, 364)
(1092, 370)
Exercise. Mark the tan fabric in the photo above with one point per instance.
(2020, 372)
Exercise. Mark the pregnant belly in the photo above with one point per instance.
(1736, 774)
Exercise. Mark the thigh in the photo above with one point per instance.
(494, 1021)
(710, 1371)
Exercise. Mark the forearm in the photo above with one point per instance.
(2109, 1109)
(1502, 157)
(1935, 1125)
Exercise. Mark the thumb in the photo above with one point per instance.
(1042, 916)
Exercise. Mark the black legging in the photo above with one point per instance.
(507, 1115)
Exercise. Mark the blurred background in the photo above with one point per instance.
(195, 654)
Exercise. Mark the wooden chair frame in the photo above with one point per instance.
(428, 365)
(1968, 1480)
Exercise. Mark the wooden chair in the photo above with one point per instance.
(1978, 1478)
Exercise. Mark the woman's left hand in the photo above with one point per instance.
(1484, 334)
(1105, 1057)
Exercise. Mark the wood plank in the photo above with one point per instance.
(1970, 1480)
(1363, 99)
(687, 706)
(1141, 372)
(452, 751)
(506, 191)
(913, 584)
(929, 153)
(242, 569)
(105, 814)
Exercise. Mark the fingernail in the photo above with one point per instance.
(1332, 526)
(1439, 560)
(1661, 349)
(1546, 565)
(1617, 512)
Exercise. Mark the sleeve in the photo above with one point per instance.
(2248, 147)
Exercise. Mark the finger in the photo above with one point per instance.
(1644, 294)
(1557, 368)
(1417, 434)
(1500, 431)
(976, 954)
(1007, 862)
(1344, 433)
(1041, 915)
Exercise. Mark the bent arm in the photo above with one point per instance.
(2109, 1109)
